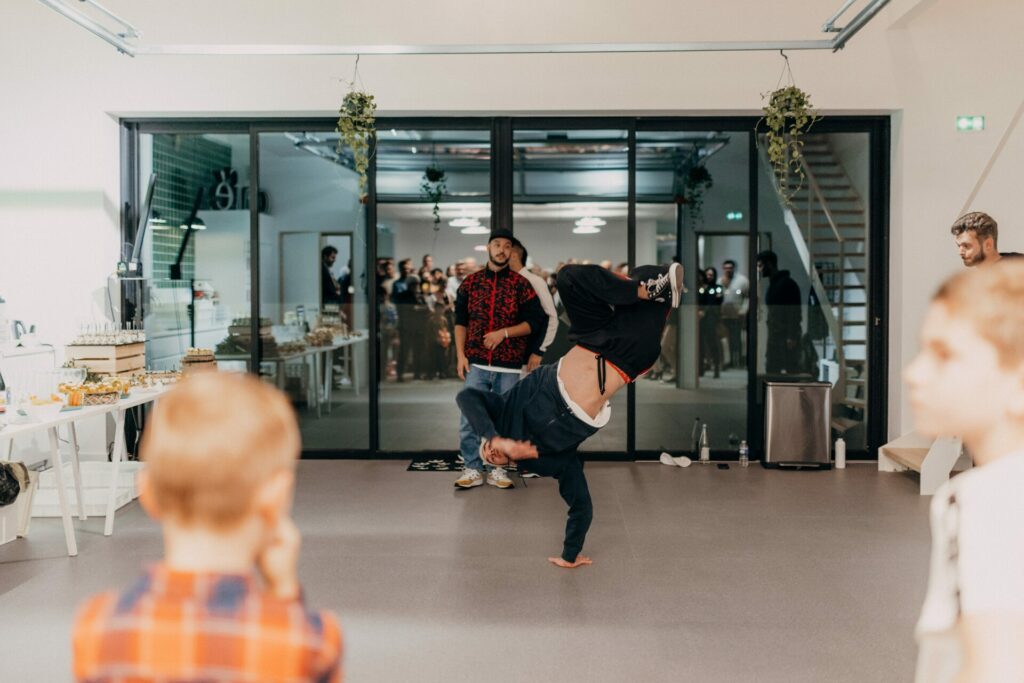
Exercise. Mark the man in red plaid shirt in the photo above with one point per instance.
(225, 604)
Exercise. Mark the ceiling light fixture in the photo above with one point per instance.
(591, 222)
(480, 247)
(475, 230)
(586, 230)
(464, 222)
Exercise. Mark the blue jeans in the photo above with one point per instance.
(484, 380)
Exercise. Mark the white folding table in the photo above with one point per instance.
(69, 418)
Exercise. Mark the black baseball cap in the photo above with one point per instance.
(501, 233)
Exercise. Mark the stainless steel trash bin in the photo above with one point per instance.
(797, 424)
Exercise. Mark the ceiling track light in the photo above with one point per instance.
(124, 37)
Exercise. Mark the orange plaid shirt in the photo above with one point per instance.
(184, 626)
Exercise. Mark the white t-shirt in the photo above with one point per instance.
(547, 303)
(977, 560)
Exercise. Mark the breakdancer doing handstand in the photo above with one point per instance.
(616, 324)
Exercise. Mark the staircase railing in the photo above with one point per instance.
(805, 246)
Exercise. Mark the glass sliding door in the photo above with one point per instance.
(693, 200)
(313, 326)
(195, 251)
(702, 193)
(820, 242)
(570, 191)
(424, 250)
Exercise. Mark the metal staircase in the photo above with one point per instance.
(832, 220)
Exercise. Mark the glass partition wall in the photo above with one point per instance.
(280, 274)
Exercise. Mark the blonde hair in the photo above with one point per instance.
(212, 441)
(991, 298)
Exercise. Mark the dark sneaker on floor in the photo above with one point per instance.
(667, 287)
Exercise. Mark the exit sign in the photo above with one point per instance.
(970, 123)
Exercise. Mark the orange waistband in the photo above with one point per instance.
(622, 373)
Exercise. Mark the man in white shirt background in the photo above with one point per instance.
(735, 306)
(968, 379)
(517, 262)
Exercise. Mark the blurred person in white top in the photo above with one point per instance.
(968, 380)
(517, 262)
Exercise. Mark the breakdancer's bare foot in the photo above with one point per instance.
(580, 561)
(499, 450)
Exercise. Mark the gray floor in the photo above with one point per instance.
(699, 575)
(422, 415)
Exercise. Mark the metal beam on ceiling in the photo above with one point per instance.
(127, 43)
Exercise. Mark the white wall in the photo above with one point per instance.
(925, 61)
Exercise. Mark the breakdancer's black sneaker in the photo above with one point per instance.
(667, 287)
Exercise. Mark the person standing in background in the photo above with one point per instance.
(783, 316)
(735, 307)
(330, 288)
(709, 310)
(497, 318)
(977, 236)
(517, 262)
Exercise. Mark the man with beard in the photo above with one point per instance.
(499, 324)
(976, 235)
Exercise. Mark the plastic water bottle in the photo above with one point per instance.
(705, 447)
(744, 454)
(840, 454)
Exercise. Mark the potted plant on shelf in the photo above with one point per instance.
(357, 126)
(788, 115)
(433, 188)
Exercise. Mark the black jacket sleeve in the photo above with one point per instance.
(462, 306)
(530, 311)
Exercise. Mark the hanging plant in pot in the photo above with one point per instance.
(357, 126)
(697, 181)
(433, 188)
(788, 116)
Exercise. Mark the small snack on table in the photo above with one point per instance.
(164, 378)
(198, 360)
(321, 336)
(92, 393)
(291, 348)
(43, 408)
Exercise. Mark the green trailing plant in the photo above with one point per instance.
(696, 182)
(357, 126)
(788, 116)
(433, 188)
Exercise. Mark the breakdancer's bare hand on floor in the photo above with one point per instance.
(499, 450)
(580, 561)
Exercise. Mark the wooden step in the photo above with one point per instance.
(858, 381)
(912, 458)
(854, 402)
(853, 323)
(847, 287)
(855, 342)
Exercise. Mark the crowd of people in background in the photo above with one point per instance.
(417, 312)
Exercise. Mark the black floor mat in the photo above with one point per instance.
(434, 465)
(426, 464)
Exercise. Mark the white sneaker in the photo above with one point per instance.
(497, 477)
(469, 479)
